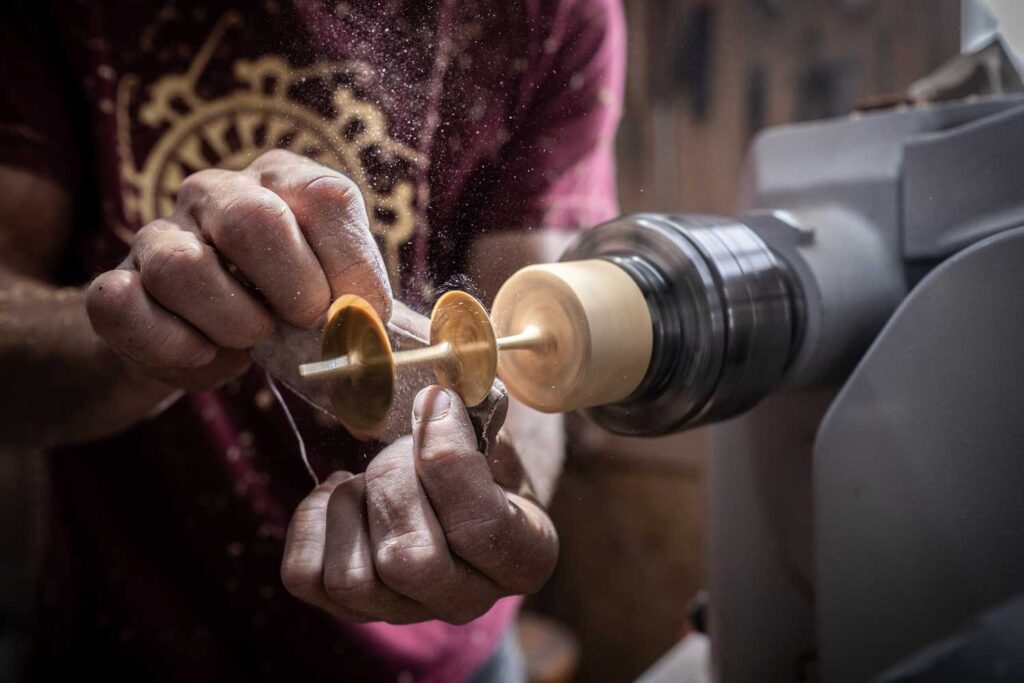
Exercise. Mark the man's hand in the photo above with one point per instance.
(294, 230)
(428, 532)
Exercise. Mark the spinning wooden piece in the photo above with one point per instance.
(460, 326)
(355, 336)
(576, 334)
(596, 330)
(358, 358)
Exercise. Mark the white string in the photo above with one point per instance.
(295, 428)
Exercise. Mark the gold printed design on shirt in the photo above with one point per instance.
(230, 131)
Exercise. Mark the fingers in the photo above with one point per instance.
(410, 552)
(179, 307)
(330, 211)
(137, 327)
(296, 230)
(506, 537)
(302, 566)
(256, 231)
(368, 548)
(424, 534)
(350, 578)
(184, 275)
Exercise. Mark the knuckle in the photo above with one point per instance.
(195, 187)
(340, 484)
(385, 474)
(112, 303)
(172, 264)
(408, 563)
(478, 534)
(340, 192)
(307, 310)
(147, 232)
(335, 187)
(350, 586)
(357, 272)
(255, 209)
(247, 333)
(299, 577)
(309, 513)
(348, 494)
(261, 328)
(534, 571)
(382, 469)
(447, 448)
(107, 297)
(311, 508)
(181, 350)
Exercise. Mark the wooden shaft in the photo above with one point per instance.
(332, 367)
(437, 353)
(347, 365)
(531, 338)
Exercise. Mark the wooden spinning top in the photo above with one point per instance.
(360, 367)
(575, 335)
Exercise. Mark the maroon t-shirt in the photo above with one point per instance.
(455, 118)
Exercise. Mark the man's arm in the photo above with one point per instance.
(61, 382)
(173, 314)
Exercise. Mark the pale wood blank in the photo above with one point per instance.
(596, 328)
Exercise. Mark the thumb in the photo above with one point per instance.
(441, 426)
(506, 537)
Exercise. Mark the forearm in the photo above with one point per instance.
(62, 383)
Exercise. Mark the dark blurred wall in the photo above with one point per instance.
(703, 78)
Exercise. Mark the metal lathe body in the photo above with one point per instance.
(857, 336)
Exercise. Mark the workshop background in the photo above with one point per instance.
(704, 77)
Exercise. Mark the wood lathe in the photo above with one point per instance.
(563, 336)
(656, 321)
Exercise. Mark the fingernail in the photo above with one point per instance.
(431, 404)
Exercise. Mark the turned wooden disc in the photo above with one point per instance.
(361, 399)
(596, 329)
(461, 321)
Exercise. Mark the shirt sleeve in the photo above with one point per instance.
(36, 120)
(558, 168)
